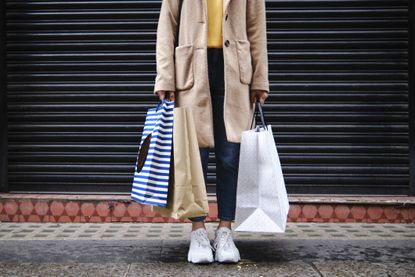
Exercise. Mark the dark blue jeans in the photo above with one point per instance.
(226, 153)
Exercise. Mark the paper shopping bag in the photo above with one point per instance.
(151, 173)
(261, 202)
(187, 196)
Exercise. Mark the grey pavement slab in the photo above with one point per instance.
(181, 231)
(292, 268)
(294, 253)
(176, 251)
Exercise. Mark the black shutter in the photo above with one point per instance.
(340, 95)
(80, 76)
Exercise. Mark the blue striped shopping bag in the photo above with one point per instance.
(152, 168)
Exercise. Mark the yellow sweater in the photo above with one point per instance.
(215, 15)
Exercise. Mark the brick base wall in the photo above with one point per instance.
(116, 208)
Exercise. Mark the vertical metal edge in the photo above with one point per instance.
(411, 94)
(3, 101)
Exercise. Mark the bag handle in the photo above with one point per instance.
(161, 102)
(264, 124)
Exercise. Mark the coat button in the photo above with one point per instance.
(227, 43)
(226, 17)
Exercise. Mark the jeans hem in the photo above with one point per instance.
(226, 218)
(197, 219)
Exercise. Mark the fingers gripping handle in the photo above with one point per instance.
(261, 112)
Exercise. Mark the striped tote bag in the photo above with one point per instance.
(152, 168)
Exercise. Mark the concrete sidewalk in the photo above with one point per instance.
(160, 249)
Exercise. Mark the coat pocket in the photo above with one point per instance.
(245, 61)
(184, 66)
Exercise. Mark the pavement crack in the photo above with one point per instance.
(127, 271)
(315, 268)
(161, 249)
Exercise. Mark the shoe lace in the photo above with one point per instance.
(224, 240)
(203, 240)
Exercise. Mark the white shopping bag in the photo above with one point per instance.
(261, 199)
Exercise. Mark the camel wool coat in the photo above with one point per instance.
(184, 69)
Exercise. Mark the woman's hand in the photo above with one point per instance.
(165, 94)
(259, 94)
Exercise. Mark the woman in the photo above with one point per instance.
(219, 69)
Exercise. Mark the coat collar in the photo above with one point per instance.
(225, 4)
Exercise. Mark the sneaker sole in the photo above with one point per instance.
(228, 261)
(201, 262)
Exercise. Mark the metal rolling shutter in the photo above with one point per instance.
(340, 95)
(80, 76)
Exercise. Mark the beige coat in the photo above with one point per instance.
(245, 62)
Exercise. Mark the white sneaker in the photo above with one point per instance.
(200, 250)
(225, 247)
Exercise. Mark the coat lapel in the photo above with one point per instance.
(225, 4)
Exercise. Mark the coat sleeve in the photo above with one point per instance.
(257, 36)
(166, 32)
